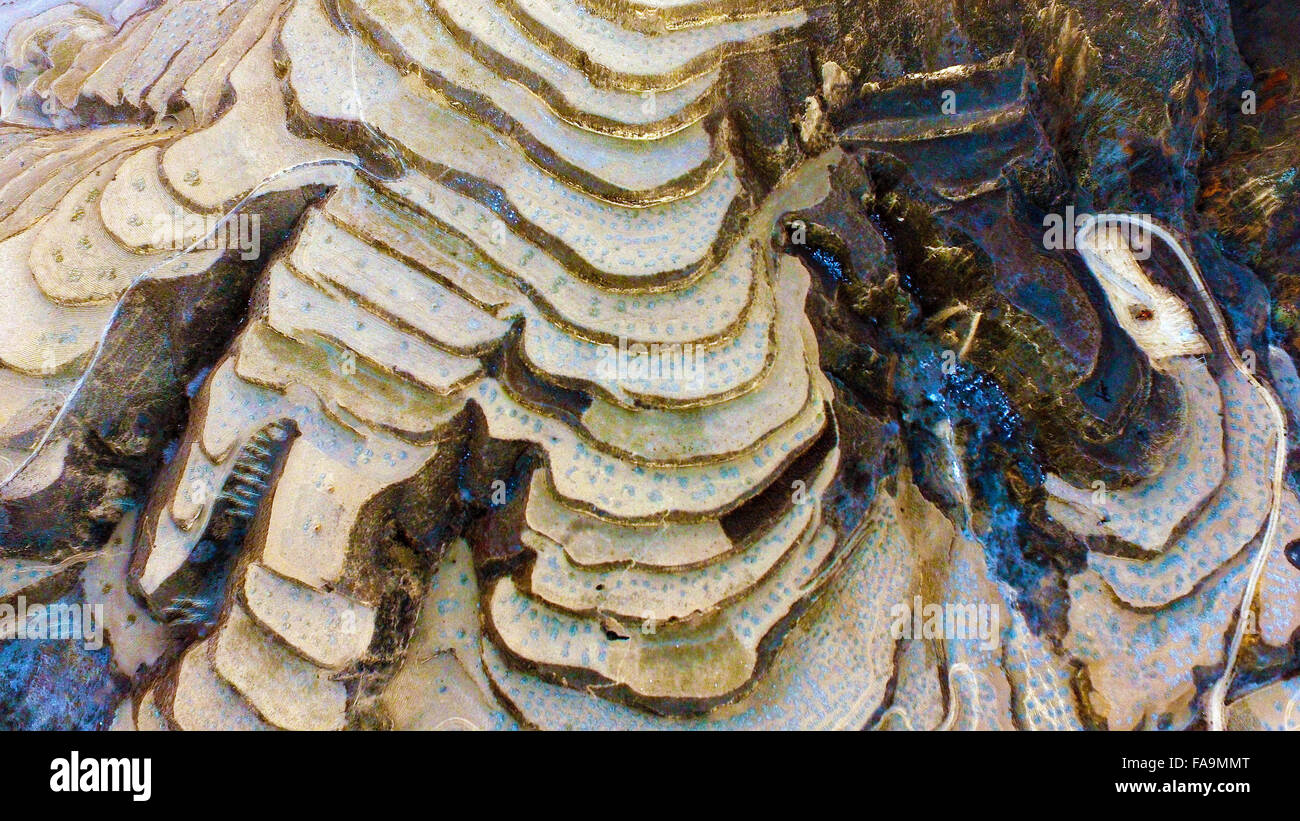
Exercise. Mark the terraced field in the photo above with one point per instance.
(426, 364)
